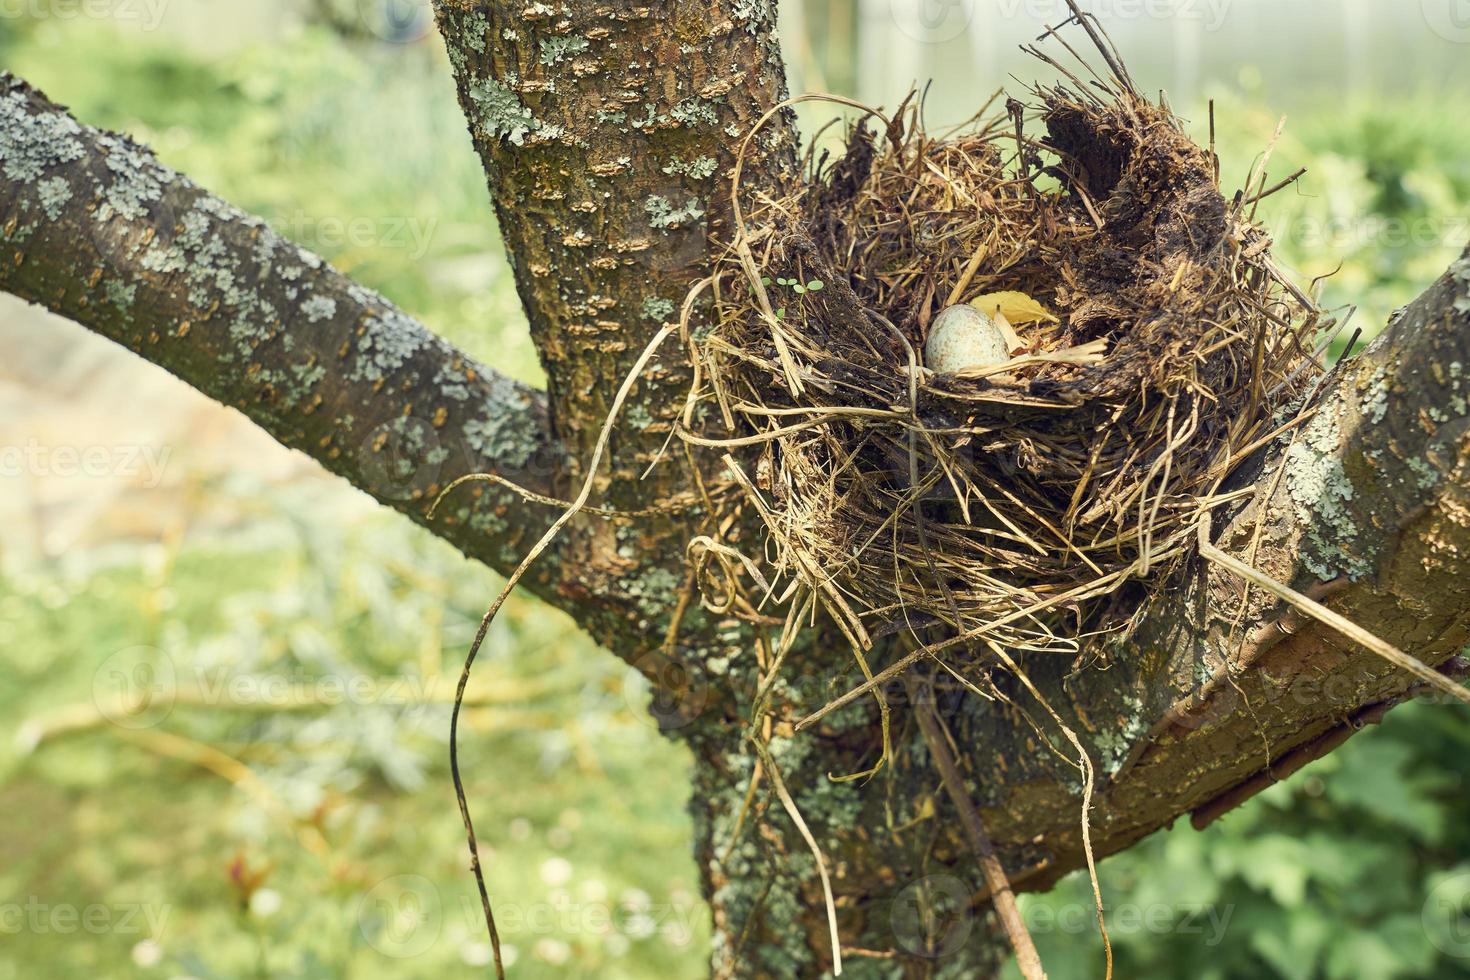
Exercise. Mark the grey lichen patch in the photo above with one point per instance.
(664, 215)
(485, 521)
(451, 384)
(32, 143)
(558, 47)
(477, 25)
(308, 375)
(1426, 476)
(388, 340)
(120, 294)
(753, 12)
(657, 309)
(638, 416)
(1461, 270)
(319, 308)
(501, 440)
(647, 123)
(404, 451)
(215, 276)
(242, 285)
(829, 806)
(212, 273)
(137, 180)
(1115, 743)
(501, 114)
(54, 193)
(20, 234)
(694, 110)
(1375, 398)
(1320, 488)
(699, 168)
(655, 591)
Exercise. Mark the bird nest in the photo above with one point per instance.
(1153, 346)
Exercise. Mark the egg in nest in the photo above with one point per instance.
(961, 337)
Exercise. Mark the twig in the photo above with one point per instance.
(1327, 617)
(779, 785)
(1280, 185)
(489, 618)
(1001, 895)
(1318, 748)
(1089, 785)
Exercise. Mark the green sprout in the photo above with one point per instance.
(796, 286)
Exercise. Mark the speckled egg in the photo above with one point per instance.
(962, 337)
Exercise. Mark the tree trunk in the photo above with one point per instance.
(608, 132)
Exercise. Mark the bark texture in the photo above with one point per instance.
(607, 132)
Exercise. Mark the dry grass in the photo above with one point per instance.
(1024, 505)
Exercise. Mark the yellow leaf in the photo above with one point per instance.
(1015, 306)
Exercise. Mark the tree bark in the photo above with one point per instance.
(607, 133)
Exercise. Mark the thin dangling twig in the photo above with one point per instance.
(489, 617)
(1001, 895)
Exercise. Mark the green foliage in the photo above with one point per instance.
(324, 666)
(314, 652)
(1349, 870)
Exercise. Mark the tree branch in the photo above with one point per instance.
(94, 228)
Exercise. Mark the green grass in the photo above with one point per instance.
(579, 799)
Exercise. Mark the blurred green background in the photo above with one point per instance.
(285, 810)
